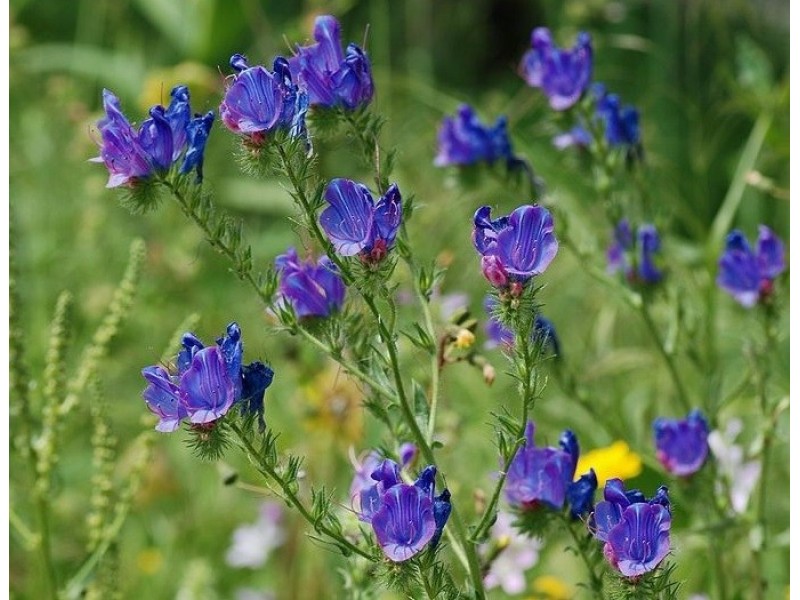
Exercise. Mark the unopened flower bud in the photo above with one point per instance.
(494, 271)
(488, 374)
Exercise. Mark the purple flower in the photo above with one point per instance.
(331, 77)
(621, 122)
(356, 224)
(562, 75)
(635, 530)
(312, 290)
(577, 136)
(208, 382)
(499, 335)
(749, 275)
(464, 140)
(405, 518)
(545, 476)
(514, 248)
(682, 444)
(131, 155)
(635, 259)
(259, 102)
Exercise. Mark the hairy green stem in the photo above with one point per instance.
(595, 581)
(668, 358)
(289, 495)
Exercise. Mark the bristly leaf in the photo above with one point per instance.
(420, 338)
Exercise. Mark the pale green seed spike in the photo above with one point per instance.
(18, 369)
(188, 324)
(54, 389)
(103, 462)
(117, 312)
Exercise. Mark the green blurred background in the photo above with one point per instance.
(704, 74)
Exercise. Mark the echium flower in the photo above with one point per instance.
(405, 518)
(333, 78)
(464, 140)
(544, 476)
(356, 225)
(562, 75)
(682, 444)
(635, 530)
(749, 274)
(170, 133)
(207, 382)
(635, 259)
(259, 102)
(515, 248)
(544, 332)
(312, 290)
(620, 124)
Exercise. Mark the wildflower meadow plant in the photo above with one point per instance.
(429, 513)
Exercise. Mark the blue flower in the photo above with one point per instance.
(312, 290)
(464, 140)
(636, 260)
(621, 122)
(681, 444)
(208, 382)
(620, 125)
(331, 77)
(515, 248)
(562, 75)
(635, 530)
(259, 102)
(405, 518)
(544, 476)
(749, 275)
(544, 331)
(356, 224)
(197, 132)
(159, 143)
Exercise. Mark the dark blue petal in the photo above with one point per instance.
(388, 473)
(441, 513)
(256, 378)
(197, 132)
(580, 494)
(771, 254)
(426, 480)
(389, 214)
(155, 136)
(649, 245)
(405, 523)
(178, 114)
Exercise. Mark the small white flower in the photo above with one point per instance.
(742, 476)
(521, 553)
(252, 544)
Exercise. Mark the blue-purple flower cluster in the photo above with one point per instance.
(514, 248)
(545, 476)
(562, 75)
(406, 518)
(259, 102)
(634, 529)
(749, 274)
(464, 140)
(682, 444)
(635, 259)
(333, 78)
(167, 136)
(206, 383)
(356, 225)
(312, 290)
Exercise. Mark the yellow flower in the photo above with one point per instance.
(464, 339)
(616, 460)
(333, 404)
(547, 587)
(149, 561)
